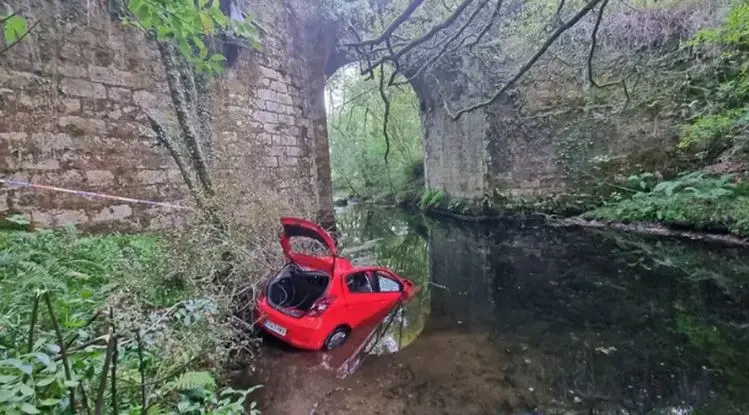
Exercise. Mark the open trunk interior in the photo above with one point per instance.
(296, 289)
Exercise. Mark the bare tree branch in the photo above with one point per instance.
(529, 64)
(447, 42)
(488, 25)
(418, 41)
(402, 18)
(591, 55)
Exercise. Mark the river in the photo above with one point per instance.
(525, 318)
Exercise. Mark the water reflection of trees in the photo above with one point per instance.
(610, 322)
(615, 323)
(393, 239)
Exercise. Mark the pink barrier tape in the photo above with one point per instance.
(88, 195)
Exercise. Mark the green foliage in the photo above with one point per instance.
(193, 380)
(188, 24)
(695, 200)
(721, 94)
(707, 131)
(206, 400)
(356, 115)
(57, 283)
(432, 198)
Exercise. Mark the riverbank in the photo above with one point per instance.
(695, 205)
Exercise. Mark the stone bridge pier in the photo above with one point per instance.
(74, 99)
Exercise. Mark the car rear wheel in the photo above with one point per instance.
(336, 338)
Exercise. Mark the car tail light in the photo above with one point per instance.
(321, 305)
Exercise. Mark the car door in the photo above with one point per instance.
(362, 300)
(389, 289)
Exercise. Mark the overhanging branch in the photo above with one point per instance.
(393, 57)
(529, 64)
(591, 55)
(402, 18)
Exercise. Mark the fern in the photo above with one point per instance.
(193, 380)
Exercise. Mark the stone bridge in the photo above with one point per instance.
(74, 97)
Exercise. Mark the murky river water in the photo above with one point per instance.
(522, 318)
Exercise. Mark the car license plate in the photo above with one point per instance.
(281, 331)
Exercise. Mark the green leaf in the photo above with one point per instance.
(71, 383)
(207, 22)
(5, 395)
(202, 50)
(46, 381)
(5, 379)
(23, 367)
(134, 6)
(13, 29)
(28, 408)
(41, 357)
(26, 390)
(49, 402)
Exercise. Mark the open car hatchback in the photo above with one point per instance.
(318, 297)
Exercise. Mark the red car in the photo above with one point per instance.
(315, 300)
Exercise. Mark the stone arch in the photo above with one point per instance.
(394, 140)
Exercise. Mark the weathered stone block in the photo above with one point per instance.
(70, 105)
(81, 88)
(279, 87)
(70, 70)
(269, 72)
(52, 141)
(269, 161)
(100, 178)
(152, 176)
(112, 76)
(13, 136)
(69, 217)
(273, 106)
(145, 99)
(289, 161)
(265, 117)
(44, 164)
(120, 94)
(113, 213)
(79, 126)
(294, 151)
(266, 95)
